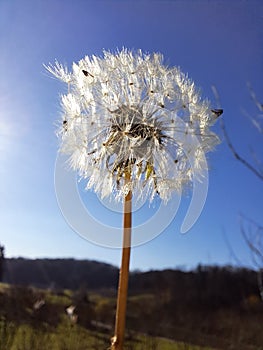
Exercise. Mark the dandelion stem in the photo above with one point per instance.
(118, 339)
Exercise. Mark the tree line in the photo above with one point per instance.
(217, 286)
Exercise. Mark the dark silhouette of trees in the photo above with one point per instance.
(206, 286)
(61, 273)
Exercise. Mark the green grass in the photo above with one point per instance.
(65, 337)
(73, 337)
(24, 328)
(54, 299)
(155, 343)
(3, 287)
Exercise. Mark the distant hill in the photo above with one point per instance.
(212, 285)
(60, 273)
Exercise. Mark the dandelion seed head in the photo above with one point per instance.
(127, 112)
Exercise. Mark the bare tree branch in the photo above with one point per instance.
(237, 155)
(231, 250)
(254, 239)
(254, 98)
(251, 231)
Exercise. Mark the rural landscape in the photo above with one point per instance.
(65, 304)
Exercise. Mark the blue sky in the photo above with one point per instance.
(216, 42)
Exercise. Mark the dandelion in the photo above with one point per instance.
(130, 125)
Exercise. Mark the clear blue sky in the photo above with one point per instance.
(216, 42)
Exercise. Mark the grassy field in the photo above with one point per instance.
(26, 326)
(49, 328)
(73, 337)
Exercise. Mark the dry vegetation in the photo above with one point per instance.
(158, 319)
